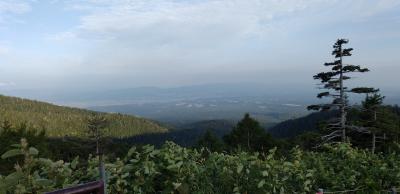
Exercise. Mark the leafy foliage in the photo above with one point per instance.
(174, 169)
(10, 135)
(36, 175)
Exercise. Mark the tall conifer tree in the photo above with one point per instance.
(371, 104)
(334, 82)
(378, 119)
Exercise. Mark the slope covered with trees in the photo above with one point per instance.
(295, 127)
(60, 121)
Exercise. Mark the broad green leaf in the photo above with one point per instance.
(14, 177)
(264, 173)
(179, 164)
(44, 182)
(176, 185)
(239, 168)
(131, 151)
(261, 183)
(11, 153)
(16, 145)
(33, 151)
(74, 163)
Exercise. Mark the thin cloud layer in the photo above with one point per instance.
(8, 8)
(128, 43)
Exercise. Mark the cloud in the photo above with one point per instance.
(107, 18)
(7, 84)
(63, 36)
(146, 33)
(377, 7)
(198, 23)
(155, 42)
(9, 8)
(3, 50)
(112, 20)
(14, 7)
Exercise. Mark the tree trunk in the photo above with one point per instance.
(248, 139)
(342, 100)
(343, 122)
(373, 142)
(374, 135)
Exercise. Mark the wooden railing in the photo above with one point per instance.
(96, 187)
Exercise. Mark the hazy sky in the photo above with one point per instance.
(131, 43)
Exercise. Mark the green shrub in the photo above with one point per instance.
(174, 169)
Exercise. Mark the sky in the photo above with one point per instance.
(105, 44)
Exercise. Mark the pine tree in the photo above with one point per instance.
(378, 119)
(210, 141)
(95, 125)
(334, 82)
(371, 105)
(247, 134)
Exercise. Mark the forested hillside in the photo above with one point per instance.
(186, 135)
(65, 121)
(294, 127)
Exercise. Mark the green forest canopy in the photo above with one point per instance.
(61, 121)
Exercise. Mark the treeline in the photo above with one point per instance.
(308, 133)
(246, 135)
(60, 121)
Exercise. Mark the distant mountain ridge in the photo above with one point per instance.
(65, 121)
(122, 96)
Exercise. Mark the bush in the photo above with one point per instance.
(174, 169)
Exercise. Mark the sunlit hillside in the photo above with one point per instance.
(65, 121)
